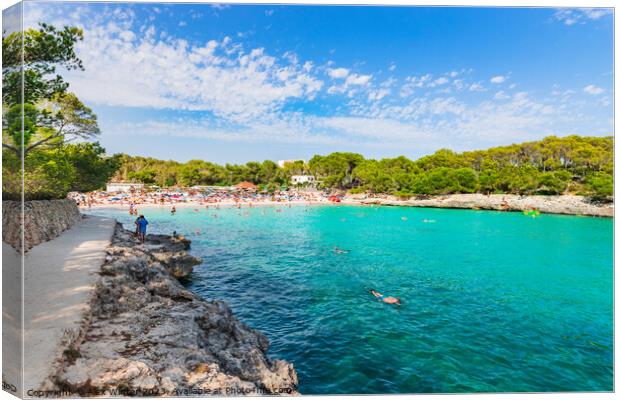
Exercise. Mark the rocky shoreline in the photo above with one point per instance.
(145, 334)
(565, 204)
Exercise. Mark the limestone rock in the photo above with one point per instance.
(565, 204)
(148, 335)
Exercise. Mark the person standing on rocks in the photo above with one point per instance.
(141, 224)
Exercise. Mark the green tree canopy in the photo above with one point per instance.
(39, 125)
(553, 165)
(37, 52)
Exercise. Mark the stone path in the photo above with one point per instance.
(60, 276)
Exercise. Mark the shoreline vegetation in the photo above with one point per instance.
(145, 334)
(576, 165)
(569, 175)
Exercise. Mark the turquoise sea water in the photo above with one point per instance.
(492, 301)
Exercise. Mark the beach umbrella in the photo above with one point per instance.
(245, 185)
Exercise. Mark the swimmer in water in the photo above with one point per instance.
(338, 250)
(385, 299)
(173, 210)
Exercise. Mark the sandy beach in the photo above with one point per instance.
(564, 204)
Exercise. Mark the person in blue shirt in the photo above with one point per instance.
(141, 224)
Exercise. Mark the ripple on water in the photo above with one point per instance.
(491, 301)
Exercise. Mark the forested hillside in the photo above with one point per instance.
(573, 164)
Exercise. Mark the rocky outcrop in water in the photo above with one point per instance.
(43, 220)
(147, 335)
(573, 205)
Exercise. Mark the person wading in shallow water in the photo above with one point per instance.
(141, 224)
(385, 299)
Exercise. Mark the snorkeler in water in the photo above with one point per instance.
(338, 250)
(385, 299)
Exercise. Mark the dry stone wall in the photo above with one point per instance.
(43, 220)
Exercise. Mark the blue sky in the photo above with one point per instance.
(251, 82)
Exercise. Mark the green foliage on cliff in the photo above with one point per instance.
(572, 164)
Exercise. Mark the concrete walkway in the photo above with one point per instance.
(59, 278)
(11, 320)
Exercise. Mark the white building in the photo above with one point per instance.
(281, 163)
(301, 179)
(113, 187)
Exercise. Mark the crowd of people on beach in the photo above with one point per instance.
(224, 196)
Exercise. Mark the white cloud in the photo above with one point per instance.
(127, 36)
(375, 128)
(378, 94)
(349, 83)
(451, 122)
(501, 95)
(567, 17)
(498, 79)
(424, 123)
(220, 77)
(476, 87)
(458, 84)
(355, 79)
(271, 130)
(440, 81)
(333, 90)
(338, 73)
(593, 90)
(572, 16)
(415, 82)
(596, 13)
